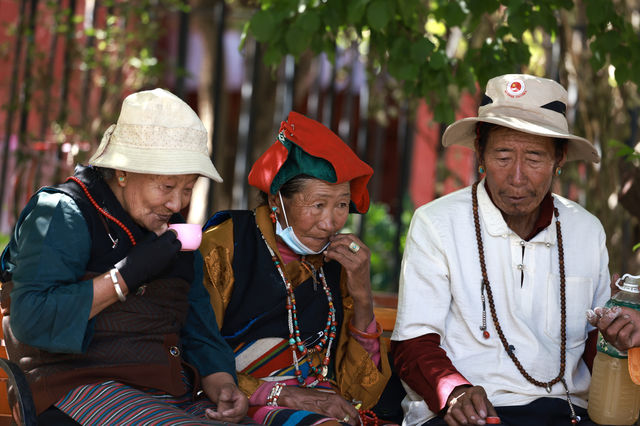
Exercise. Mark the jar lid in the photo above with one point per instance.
(629, 283)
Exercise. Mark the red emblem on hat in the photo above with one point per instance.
(516, 88)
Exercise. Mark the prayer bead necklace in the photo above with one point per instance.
(103, 211)
(486, 286)
(295, 342)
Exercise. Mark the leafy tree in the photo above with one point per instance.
(105, 54)
(435, 48)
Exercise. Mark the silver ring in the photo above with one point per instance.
(354, 247)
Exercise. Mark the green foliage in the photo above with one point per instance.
(624, 150)
(117, 52)
(402, 44)
(629, 154)
(4, 240)
(95, 61)
(395, 31)
(614, 40)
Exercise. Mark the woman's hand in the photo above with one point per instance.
(355, 258)
(468, 405)
(318, 401)
(148, 258)
(619, 325)
(221, 389)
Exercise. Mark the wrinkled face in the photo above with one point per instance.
(318, 211)
(151, 199)
(520, 168)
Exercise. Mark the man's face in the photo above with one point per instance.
(520, 168)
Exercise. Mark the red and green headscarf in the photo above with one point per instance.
(305, 146)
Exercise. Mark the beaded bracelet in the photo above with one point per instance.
(362, 334)
(116, 285)
(272, 399)
(368, 418)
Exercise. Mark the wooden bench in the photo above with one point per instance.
(386, 317)
(385, 310)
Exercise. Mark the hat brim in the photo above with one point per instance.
(136, 160)
(463, 132)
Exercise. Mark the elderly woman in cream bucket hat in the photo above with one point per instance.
(496, 277)
(102, 309)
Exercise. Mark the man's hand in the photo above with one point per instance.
(619, 325)
(468, 405)
(221, 389)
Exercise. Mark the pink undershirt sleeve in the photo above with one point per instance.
(372, 346)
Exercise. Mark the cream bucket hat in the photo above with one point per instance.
(156, 133)
(525, 103)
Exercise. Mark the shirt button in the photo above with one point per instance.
(520, 267)
(548, 245)
(174, 351)
(522, 243)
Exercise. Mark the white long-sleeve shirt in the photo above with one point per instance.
(440, 287)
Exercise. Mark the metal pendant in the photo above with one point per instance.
(325, 371)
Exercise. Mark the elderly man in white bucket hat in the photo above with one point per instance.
(496, 277)
(108, 315)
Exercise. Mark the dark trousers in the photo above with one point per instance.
(54, 417)
(541, 412)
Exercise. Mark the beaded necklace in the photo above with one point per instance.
(295, 343)
(103, 211)
(486, 286)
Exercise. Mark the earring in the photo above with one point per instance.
(558, 171)
(480, 169)
(273, 214)
(121, 179)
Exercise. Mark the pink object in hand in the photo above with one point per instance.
(189, 234)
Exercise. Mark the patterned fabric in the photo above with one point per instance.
(270, 360)
(265, 357)
(114, 403)
(277, 416)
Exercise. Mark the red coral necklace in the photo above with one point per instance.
(101, 210)
(295, 342)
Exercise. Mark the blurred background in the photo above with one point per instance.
(388, 76)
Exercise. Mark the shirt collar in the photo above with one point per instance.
(495, 223)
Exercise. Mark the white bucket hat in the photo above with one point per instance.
(525, 103)
(156, 133)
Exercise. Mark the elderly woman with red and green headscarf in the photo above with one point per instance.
(291, 294)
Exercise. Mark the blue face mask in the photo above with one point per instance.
(291, 239)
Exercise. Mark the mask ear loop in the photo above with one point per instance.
(283, 210)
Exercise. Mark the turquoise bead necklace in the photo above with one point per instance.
(295, 342)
